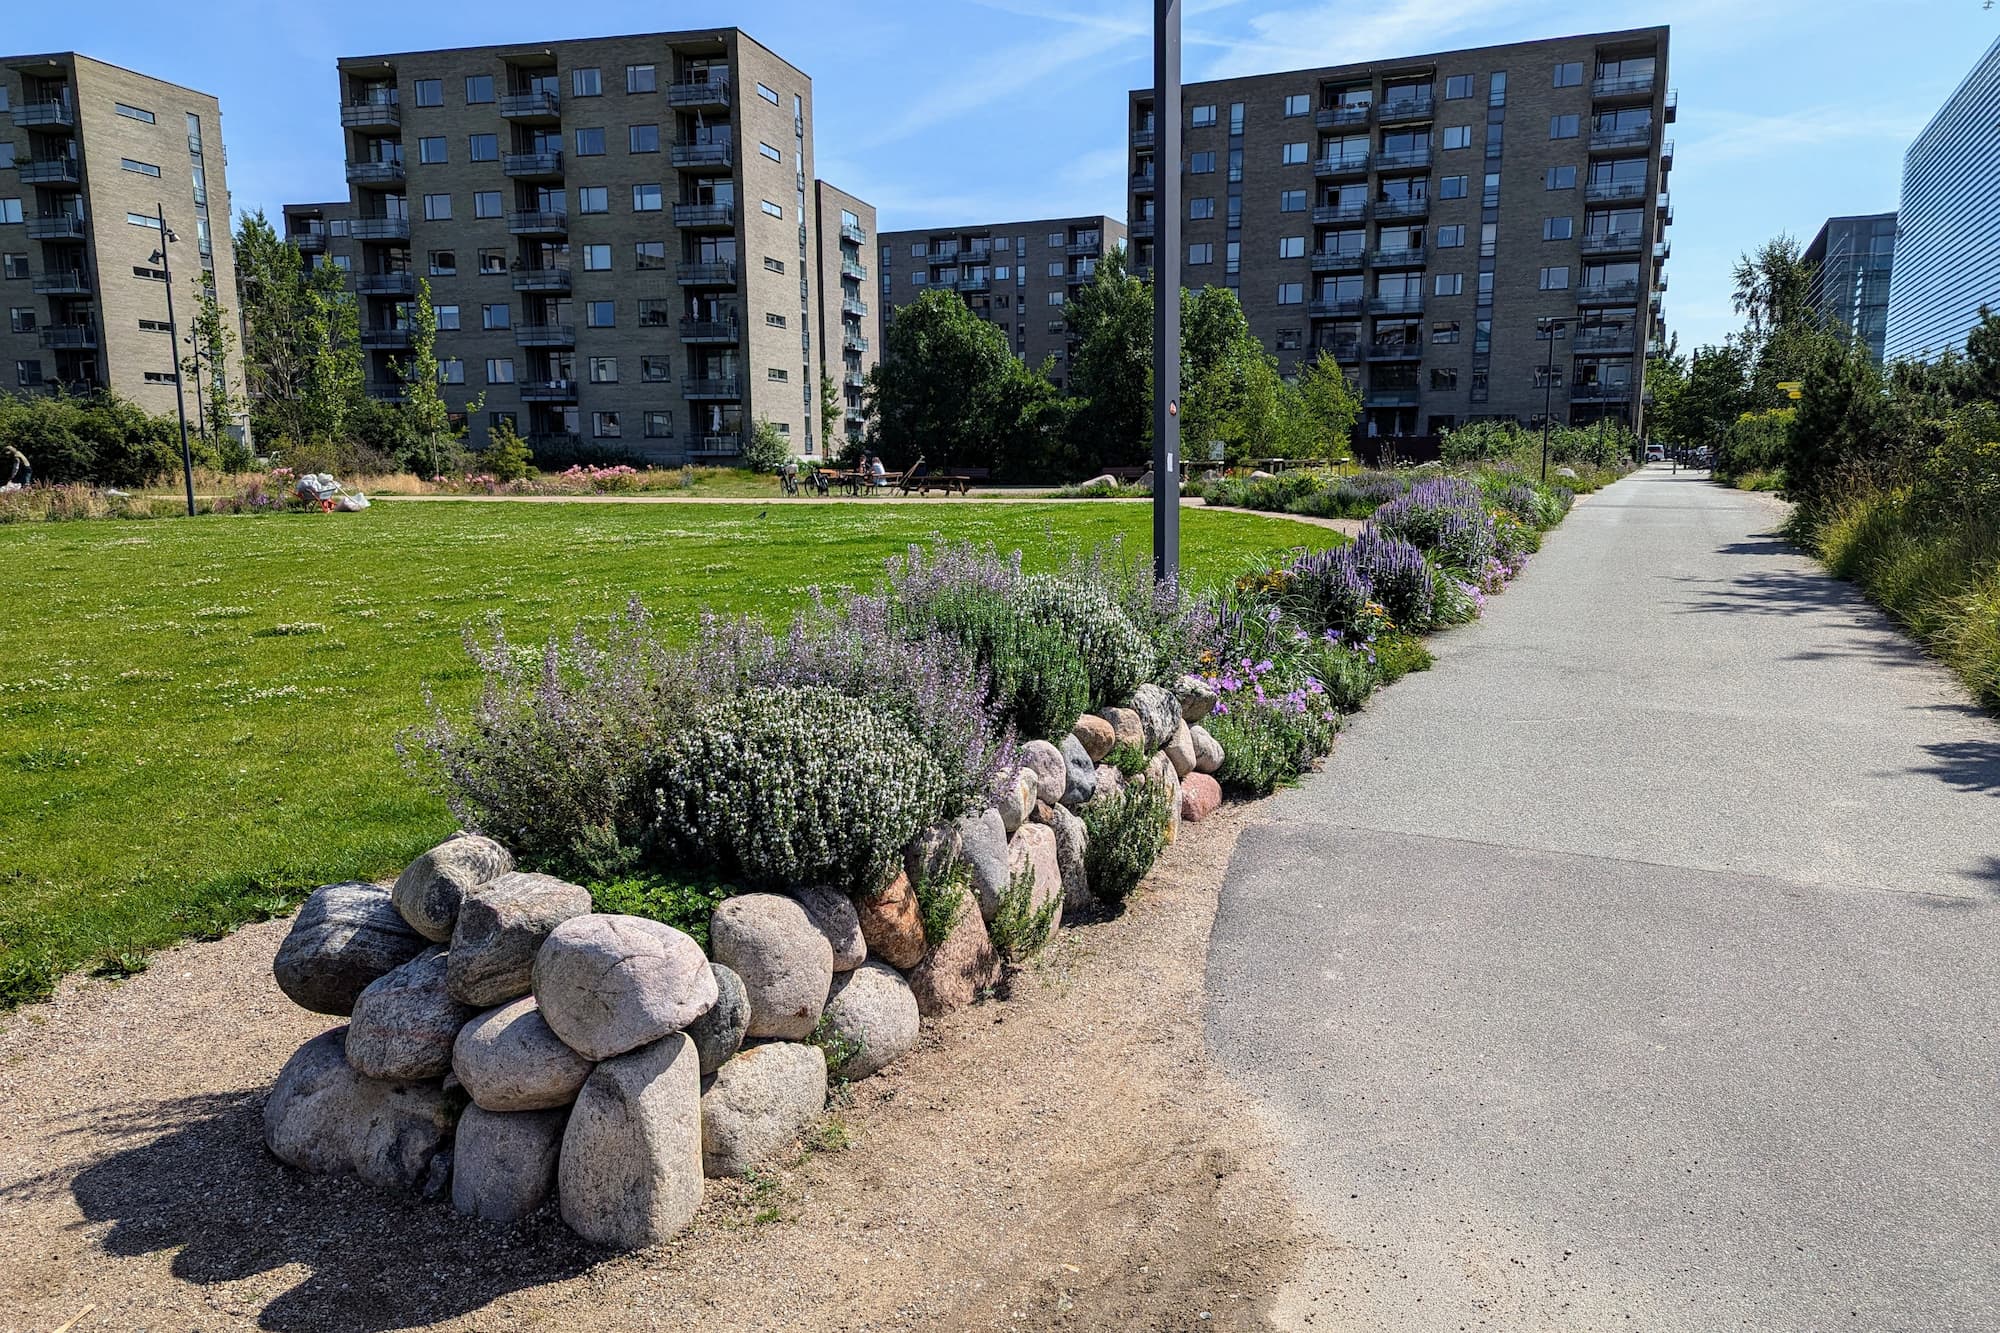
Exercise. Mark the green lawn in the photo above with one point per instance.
(196, 715)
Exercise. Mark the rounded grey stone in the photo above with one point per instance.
(832, 914)
(630, 1173)
(431, 887)
(1159, 713)
(1051, 772)
(501, 927)
(758, 1103)
(1079, 772)
(324, 1116)
(873, 1020)
(784, 960)
(608, 984)
(344, 937)
(718, 1034)
(504, 1163)
(509, 1059)
(405, 1022)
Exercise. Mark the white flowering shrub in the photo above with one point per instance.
(789, 787)
(1116, 656)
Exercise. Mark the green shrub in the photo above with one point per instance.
(766, 450)
(1348, 675)
(1264, 748)
(1038, 677)
(1115, 654)
(506, 455)
(1397, 655)
(682, 901)
(1127, 759)
(1123, 836)
(940, 898)
(1019, 929)
(789, 787)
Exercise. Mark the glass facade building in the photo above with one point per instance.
(1948, 250)
(1853, 260)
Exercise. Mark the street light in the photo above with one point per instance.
(1167, 289)
(1551, 328)
(174, 341)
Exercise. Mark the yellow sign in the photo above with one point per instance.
(1793, 388)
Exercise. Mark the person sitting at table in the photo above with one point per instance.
(877, 474)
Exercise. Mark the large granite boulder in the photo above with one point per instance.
(960, 966)
(501, 927)
(1179, 749)
(758, 1103)
(609, 984)
(509, 1059)
(1127, 728)
(832, 914)
(1207, 750)
(892, 924)
(1095, 734)
(503, 1164)
(872, 1019)
(1159, 713)
(630, 1173)
(1197, 698)
(1051, 772)
(405, 1022)
(784, 959)
(983, 846)
(431, 887)
(718, 1034)
(325, 1116)
(1071, 841)
(1032, 853)
(1079, 773)
(1017, 799)
(1201, 796)
(346, 936)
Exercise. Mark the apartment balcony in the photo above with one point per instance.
(541, 279)
(1622, 86)
(1659, 283)
(378, 174)
(388, 391)
(1663, 251)
(545, 335)
(1413, 256)
(1600, 393)
(385, 284)
(548, 391)
(853, 231)
(1079, 277)
(1612, 242)
(715, 446)
(1396, 305)
(553, 441)
(58, 227)
(536, 223)
(1396, 397)
(1667, 156)
(385, 338)
(1664, 209)
(1343, 117)
(1142, 231)
(1613, 192)
(717, 273)
(1347, 164)
(854, 379)
(1344, 349)
(1344, 307)
(1143, 182)
(70, 337)
(57, 113)
(1091, 249)
(705, 155)
(710, 330)
(1338, 261)
(531, 108)
(1143, 138)
(1422, 106)
(852, 341)
(379, 229)
(1606, 342)
(532, 166)
(1608, 293)
(51, 171)
(1671, 111)
(851, 306)
(853, 268)
(1621, 141)
(713, 387)
(372, 117)
(1394, 351)
(699, 93)
(1389, 210)
(705, 217)
(69, 282)
(1403, 159)
(1332, 215)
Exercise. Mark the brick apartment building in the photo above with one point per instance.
(622, 237)
(1422, 218)
(1016, 274)
(90, 154)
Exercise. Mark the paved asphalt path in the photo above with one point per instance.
(1636, 966)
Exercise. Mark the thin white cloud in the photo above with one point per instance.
(1737, 137)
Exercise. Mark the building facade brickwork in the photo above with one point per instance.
(850, 328)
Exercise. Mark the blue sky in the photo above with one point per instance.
(1790, 110)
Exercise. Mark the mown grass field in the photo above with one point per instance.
(197, 715)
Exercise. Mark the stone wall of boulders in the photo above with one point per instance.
(505, 1044)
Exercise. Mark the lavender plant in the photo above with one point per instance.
(1401, 578)
(1445, 517)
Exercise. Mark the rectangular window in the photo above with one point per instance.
(655, 369)
(648, 198)
(160, 377)
(1202, 206)
(1451, 187)
(1486, 289)
(649, 254)
(1489, 238)
(1444, 377)
(486, 204)
(770, 152)
(137, 167)
(590, 142)
(777, 376)
(430, 92)
(13, 266)
(1562, 178)
(774, 320)
(1291, 201)
(6, 153)
(1490, 196)
(1558, 229)
(603, 370)
(659, 425)
(1236, 118)
(28, 374)
(1569, 74)
(596, 258)
(431, 150)
(599, 315)
(604, 425)
(478, 89)
(1055, 240)
(1458, 136)
(1445, 331)
(593, 199)
(586, 83)
(13, 214)
(771, 209)
(642, 139)
(1497, 90)
(1291, 247)
(447, 318)
(492, 262)
(1555, 278)
(1291, 293)
(1563, 127)
(443, 263)
(655, 313)
(1201, 164)
(1449, 284)
(1055, 298)
(133, 112)
(1295, 155)
(1457, 87)
(772, 265)
(496, 316)
(483, 147)
(641, 79)
(437, 208)
(1450, 236)
(1298, 104)
(1201, 252)
(1482, 335)
(21, 319)
(1201, 117)
(767, 94)
(451, 370)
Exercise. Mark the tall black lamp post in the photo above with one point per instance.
(1167, 289)
(1552, 328)
(161, 258)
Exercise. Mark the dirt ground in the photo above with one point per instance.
(1061, 1160)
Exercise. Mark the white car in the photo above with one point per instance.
(1656, 453)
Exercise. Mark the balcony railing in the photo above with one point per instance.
(69, 282)
(1410, 304)
(1663, 251)
(703, 216)
(56, 227)
(1345, 164)
(854, 379)
(1670, 112)
(382, 115)
(1387, 209)
(52, 113)
(1089, 249)
(545, 335)
(1342, 349)
(1600, 393)
(852, 231)
(1402, 158)
(716, 273)
(1607, 293)
(1344, 117)
(1602, 342)
(548, 391)
(1664, 206)
(1667, 156)
(1612, 242)
(850, 306)
(1612, 192)
(379, 229)
(1337, 307)
(1142, 181)
(70, 337)
(1621, 85)
(390, 338)
(544, 279)
(704, 154)
(710, 330)
(1142, 230)
(385, 284)
(1407, 257)
(1399, 396)
(1410, 106)
(714, 386)
(1338, 261)
(389, 391)
(375, 173)
(1332, 215)
(538, 105)
(1395, 351)
(1143, 138)
(532, 222)
(852, 341)
(51, 171)
(532, 166)
(853, 268)
(1604, 141)
(698, 93)
(715, 446)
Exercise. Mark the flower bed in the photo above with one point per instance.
(711, 878)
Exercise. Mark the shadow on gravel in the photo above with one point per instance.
(200, 1182)
(1971, 766)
